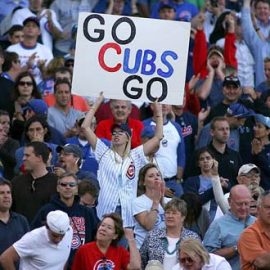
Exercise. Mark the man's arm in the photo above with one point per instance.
(9, 258)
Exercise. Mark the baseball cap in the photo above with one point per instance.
(148, 132)
(58, 222)
(38, 106)
(231, 80)
(123, 127)
(166, 5)
(245, 169)
(265, 120)
(239, 110)
(71, 149)
(31, 19)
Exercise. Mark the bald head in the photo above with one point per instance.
(239, 200)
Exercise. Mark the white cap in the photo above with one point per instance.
(58, 222)
(247, 168)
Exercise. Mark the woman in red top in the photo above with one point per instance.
(104, 252)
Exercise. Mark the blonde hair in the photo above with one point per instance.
(193, 247)
(126, 152)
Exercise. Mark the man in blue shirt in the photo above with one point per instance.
(223, 234)
(12, 225)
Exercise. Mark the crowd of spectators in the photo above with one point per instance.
(138, 185)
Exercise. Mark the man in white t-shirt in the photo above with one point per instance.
(49, 26)
(33, 55)
(47, 247)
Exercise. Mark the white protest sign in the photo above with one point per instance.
(131, 58)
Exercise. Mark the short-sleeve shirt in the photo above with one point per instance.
(90, 257)
(36, 251)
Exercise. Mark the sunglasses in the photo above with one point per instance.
(22, 83)
(120, 132)
(186, 260)
(68, 184)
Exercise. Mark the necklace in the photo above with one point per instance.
(166, 245)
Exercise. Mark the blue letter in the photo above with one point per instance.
(148, 61)
(137, 64)
(169, 73)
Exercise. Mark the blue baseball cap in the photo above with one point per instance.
(265, 120)
(38, 106)
(239, 110)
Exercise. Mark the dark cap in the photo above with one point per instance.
(38, 106)
(166, 5)
(31, 19)
(231, 80)
(71, 149)
(123, 127)
(239, 110)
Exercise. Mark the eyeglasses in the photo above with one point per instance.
(68, 184)
(186, 260)
(69, 65)
(120, 132)
(22, 83)
(18, 61)
(251, 175)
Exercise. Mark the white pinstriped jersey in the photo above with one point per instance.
(118, 180)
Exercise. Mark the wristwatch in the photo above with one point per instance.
(235, 249)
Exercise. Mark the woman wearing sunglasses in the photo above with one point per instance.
(25, 89)
(193, 256)
(119, 165)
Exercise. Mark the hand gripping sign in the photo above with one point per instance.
(131, 58)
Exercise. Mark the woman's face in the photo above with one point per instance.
(188, 262)
(173, 218)
(152, 178)
(36, 132)
(260, 131)
(205, 162)
(25, 86)
(106, 231)
(119, 137)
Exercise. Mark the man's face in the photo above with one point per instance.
(62, 95)
(67, 160)
(55, 238)
(262, 12)
(67, 187)
(5, 198)
(240, 204)
(251, 178)
(221, 132)
(121, 109)
(17, 37)
(264, 211)
(30, 160)
(31, 30)
(231, 93)
(267, 70)
(167, 14)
